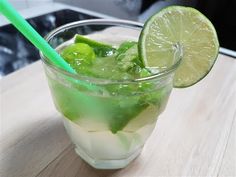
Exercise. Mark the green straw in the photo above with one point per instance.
(29, 32)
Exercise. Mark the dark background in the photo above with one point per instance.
(222, 13)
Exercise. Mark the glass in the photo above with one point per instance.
(108, 120)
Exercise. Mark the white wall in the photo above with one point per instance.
(37, 2)
(114, 8)
(22, 4)
(110, 7)
(19, 4)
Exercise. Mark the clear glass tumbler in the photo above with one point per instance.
(107, 120)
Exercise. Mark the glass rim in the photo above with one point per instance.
(117, 22)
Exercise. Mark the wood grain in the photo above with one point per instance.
(32, 133)
(195, 136)
(228, 167)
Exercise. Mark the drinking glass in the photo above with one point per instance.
(107, 120)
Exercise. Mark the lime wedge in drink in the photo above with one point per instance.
(184, 26)
(78, 53)
(100, 49)
(90, 42)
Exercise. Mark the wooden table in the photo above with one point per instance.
(195, 136)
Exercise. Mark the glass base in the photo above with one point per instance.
(107, 164)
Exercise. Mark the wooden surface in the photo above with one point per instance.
(195, 136)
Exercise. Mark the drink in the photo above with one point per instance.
(111, 106)
(110, 125)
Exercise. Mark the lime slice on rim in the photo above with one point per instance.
(184, 26)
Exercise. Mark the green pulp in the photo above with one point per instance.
(118, 102)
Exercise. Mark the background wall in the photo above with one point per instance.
(125, 9)
(118, 8)
(22, 4)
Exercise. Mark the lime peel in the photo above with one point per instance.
(192, 30)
